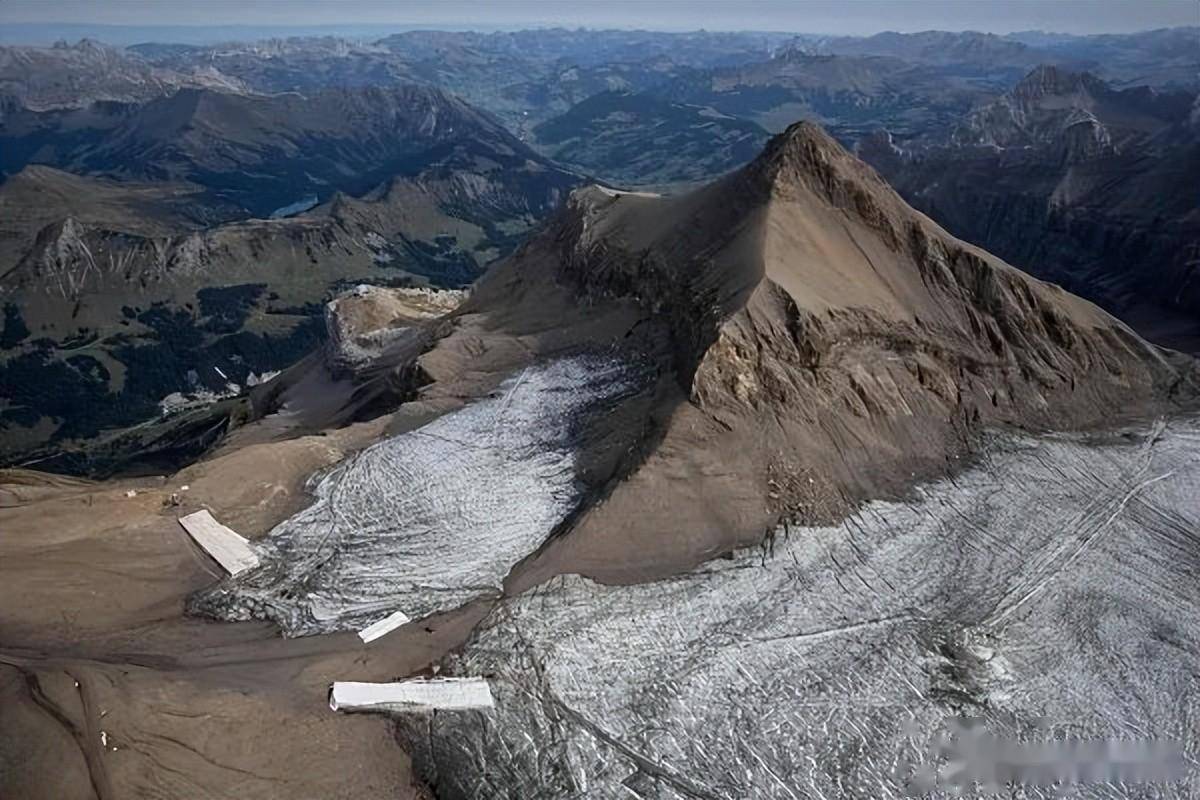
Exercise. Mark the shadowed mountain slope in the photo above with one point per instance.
(264, 153)
(1078, 183)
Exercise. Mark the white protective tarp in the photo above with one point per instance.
(383, 626)
(225, 546)
(413, 696)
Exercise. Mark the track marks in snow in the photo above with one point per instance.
(817, 671)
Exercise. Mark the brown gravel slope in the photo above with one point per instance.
(109, 692)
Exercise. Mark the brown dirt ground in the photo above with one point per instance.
(94, 646)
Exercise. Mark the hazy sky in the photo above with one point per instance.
(812, 16)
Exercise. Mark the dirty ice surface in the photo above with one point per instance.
(1057, 583)
(426, 520)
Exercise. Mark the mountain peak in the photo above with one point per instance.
(805, 158)
(1048, 79)
(807, 132)
(802, 146)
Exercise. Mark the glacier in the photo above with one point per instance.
(429, 519)
(1048, 590)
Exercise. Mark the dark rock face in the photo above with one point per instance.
(1079, 184)
(1120, 260)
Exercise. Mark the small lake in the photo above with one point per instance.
(298, 207)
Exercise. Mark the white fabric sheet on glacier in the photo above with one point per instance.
(383, 626)
(412, 696)
(226, 546)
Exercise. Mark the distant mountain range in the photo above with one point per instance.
(642, 138)
(137, 260)
(79, 75)
(1079, 183)
(174, 214)
(265, 151)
